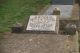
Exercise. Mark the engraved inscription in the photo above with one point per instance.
(42, 23)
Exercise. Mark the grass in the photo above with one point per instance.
(17, 10)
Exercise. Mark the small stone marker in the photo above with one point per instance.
(42, 23)
(56, 11)
(17, 28)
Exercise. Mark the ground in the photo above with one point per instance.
(38, 43)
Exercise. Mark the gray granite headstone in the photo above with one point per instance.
(42, 23)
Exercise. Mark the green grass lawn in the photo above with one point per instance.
(17, 10)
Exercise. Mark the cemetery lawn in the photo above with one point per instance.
(12, 11)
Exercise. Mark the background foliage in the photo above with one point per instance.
(17, 10)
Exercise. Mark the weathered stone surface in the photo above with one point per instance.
(34, 43)
(42, 23)
(39, 43)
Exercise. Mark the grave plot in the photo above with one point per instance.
(66, 10)
(65, 6)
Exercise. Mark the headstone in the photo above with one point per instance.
(42, 23)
